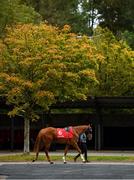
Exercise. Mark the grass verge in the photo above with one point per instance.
(27, 158)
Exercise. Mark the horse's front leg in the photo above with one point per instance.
(65, 153)
(75, 145)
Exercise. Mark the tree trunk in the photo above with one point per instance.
(26, 135)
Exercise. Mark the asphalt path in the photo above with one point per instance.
(43, 170)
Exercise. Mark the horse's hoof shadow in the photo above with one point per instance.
(65, 162)
(51, 162)
(84, 161)
(33, 160)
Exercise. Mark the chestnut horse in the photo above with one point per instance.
(47, 135)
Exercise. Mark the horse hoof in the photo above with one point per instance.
(84, 161)
(33, 160)
(65, 162)
(51, 162)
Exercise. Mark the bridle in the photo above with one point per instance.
(88, 130)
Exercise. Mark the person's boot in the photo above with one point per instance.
(75, 159)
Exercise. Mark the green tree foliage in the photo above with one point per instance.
(40, 65)
(129, 38)
(12, 11)
(55, 12)
(83, 15)
(115, 73)
(61, 12)
(89, 13)
(117, 15)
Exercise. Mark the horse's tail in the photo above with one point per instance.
(37, 146)
(37, 143)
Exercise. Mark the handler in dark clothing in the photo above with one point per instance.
(83, 146)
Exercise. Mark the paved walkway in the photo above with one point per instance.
(66, 171)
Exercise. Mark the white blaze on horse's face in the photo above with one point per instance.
(89, 136)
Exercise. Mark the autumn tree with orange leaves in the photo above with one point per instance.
(40, 65)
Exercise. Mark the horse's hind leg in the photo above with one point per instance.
(47, 155)
(37, 153)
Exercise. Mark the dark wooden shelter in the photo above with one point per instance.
(104, 115)
(111, 117)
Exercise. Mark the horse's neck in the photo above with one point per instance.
(80, 129)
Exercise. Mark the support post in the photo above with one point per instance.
(98, 136)
(12, 134)
(98, 127)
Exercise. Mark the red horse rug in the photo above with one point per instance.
(66, 133)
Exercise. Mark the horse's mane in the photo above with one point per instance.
(80, 126)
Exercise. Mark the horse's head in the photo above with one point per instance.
(88, 132)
